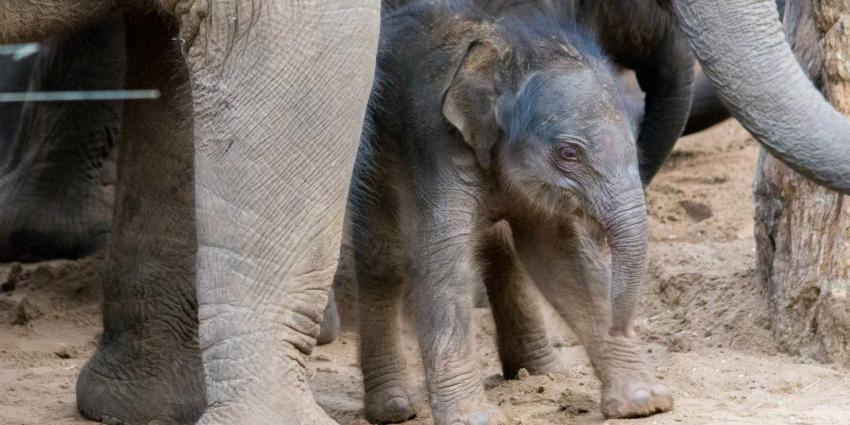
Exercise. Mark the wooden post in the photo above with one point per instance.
(803, 230)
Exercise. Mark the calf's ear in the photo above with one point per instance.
(469, 101)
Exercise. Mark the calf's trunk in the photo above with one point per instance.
(624, 224)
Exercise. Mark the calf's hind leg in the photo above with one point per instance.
(520, 330)
(567, 264)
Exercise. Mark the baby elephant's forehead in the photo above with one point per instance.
(571, 93)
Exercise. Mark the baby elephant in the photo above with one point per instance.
(498, 149)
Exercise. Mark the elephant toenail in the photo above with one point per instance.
(481, 417)
(396, 403)
(641, 396)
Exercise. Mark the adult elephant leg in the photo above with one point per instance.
(52, 200)
(148, 364)
(279, 95)
(706, 109)
(567, 264)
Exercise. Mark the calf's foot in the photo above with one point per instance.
(389, 405)
(633, 395)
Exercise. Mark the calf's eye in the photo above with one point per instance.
(568, 153)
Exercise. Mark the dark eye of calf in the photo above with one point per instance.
(568, 153)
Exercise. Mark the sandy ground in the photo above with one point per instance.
(703, 316)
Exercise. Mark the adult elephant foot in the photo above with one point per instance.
(119, 385)
(38, 226)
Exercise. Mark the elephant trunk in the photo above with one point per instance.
(624, 222)
(742, 49)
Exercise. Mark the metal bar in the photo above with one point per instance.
(70, 96)
(19, 51)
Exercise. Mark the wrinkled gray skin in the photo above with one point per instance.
(270, 135)
(217, 205)
(514, 123)
(52, 200)
(758, 79)
(707, 109)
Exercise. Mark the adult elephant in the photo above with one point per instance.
(235, 181)
(264, 101)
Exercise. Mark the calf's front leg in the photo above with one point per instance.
(441, 276)
(567, 264)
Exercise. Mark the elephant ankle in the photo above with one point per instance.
(119, 384)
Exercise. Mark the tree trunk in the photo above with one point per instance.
(803, 230)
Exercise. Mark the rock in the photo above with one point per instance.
(696, 211)
(63, 353)
(522, 374)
